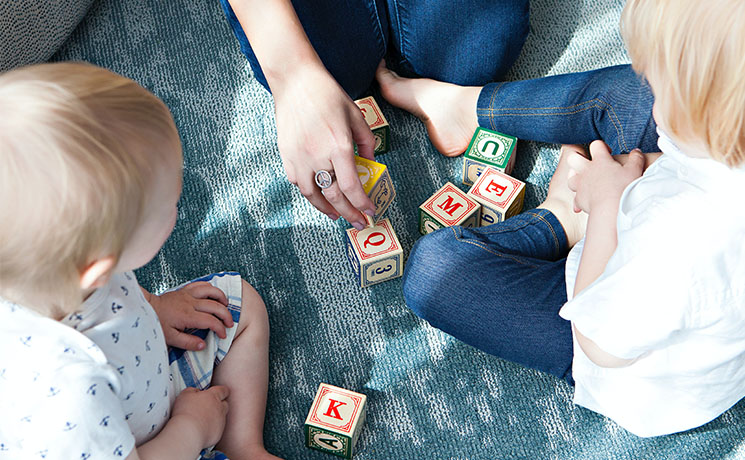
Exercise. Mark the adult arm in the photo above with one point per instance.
(317, 123)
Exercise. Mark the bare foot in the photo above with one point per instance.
(560, 200)
(448, 111)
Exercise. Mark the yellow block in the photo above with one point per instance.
(377, 183)
(369, 172)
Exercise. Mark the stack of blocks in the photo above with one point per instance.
(335, 420)
(375, 252)
(494, 195)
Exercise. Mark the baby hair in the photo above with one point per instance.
(78, 149)
(693, 54)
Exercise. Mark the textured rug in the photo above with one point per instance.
(429, 396)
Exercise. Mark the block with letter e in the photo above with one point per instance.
(488, 149)
(449, 206)
(375, 253)
(335, 420)
(377, 123)
(377, 183)
(500, 196)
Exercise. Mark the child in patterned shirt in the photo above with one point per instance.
(90, 171)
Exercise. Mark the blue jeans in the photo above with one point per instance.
(498, 288)
(467, 42)
(613, 104)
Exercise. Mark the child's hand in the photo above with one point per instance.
(601, 181)
(197, 305)
(206, 409)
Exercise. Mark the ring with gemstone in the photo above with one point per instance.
(324, 178)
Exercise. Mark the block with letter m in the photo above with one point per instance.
(448, 206)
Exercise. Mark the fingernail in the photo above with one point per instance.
(358, 225)
(370, 212)
(332, 216)
(637, 150)
(200, 346)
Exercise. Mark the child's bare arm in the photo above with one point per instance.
(197, 421)
(598, 184)
(197, 305)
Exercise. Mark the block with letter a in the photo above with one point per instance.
(377, 183)
(377, 122)
(488, 149)
(335, 420)
(375, 253)
(449, 206)
(500, 196)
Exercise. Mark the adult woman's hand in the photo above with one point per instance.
(317, 123)
(317, 128)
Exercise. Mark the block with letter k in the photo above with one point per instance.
(335, 419)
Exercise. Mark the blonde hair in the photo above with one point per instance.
(693, 54)
(78, 149)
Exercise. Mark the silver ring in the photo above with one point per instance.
(324, 178)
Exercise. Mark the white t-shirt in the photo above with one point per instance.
(91, 386)
(673, 293)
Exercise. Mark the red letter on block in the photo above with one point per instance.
(333, 408)
(449, 207)
(496, 188)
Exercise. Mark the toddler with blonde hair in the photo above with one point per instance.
(90, 177)
(645, 315)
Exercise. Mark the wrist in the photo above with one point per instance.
(300, 72)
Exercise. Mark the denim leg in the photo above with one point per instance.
(613, 104)
(350, 38)
(464, 42)
(498, 288)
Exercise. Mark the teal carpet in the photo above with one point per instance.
(429, 395)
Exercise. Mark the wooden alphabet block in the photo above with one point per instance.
(377, 122)
(375, 253)
(488, 148)
(449, 206)
(377, 184)
(500, 196)
(335, 420)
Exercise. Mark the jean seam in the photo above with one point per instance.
(497, 228)
(505, 256)
(381, 32)
(401, 49)
(489, 112)
(553, 233)
(491, 103)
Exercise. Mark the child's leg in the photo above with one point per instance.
(499, 288)
(245, 370)
(612, 104)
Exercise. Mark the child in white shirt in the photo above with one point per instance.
(657, 290)
(90, 175)
(646, 315)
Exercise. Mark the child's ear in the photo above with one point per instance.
(97, 273)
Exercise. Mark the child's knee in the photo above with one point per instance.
(432, 273)
(253, 311)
